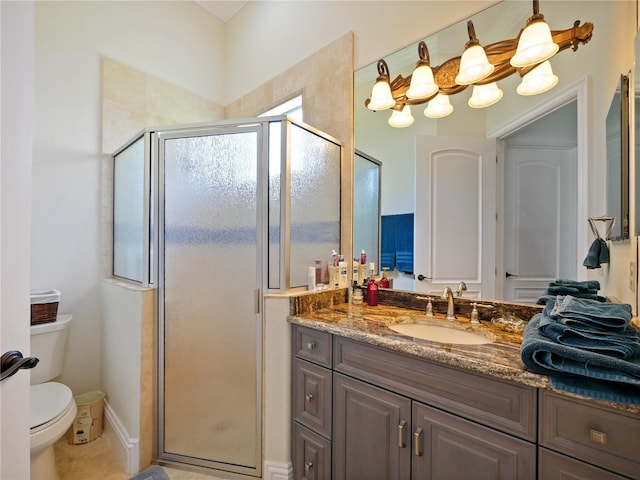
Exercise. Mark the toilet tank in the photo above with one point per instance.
(48, 341)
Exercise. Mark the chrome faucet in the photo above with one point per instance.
(447, 294)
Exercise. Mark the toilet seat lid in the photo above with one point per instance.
(48, 400)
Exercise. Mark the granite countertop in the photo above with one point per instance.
(499, 359)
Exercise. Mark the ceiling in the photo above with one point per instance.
(223, 9)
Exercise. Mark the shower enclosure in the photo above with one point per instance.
(215, 216)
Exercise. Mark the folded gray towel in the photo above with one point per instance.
(604, 315)
(579, 284)
(541, 355)
(625, 344)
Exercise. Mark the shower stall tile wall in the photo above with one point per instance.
(215, 216)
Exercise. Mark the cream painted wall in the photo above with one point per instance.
(267, 37)
(176, 41)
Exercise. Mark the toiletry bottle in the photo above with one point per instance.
(311, 279)
(384, 281)
(335, 258)
(318, 264)
(343, 280)
(372, 270)
(429, 310)
(372, 293)
(363, 258)
(357, 297)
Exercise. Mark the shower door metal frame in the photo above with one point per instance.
(158, 138)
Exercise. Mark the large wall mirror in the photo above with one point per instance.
(405, 179)
(618, 161)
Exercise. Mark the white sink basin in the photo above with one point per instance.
(439, 334)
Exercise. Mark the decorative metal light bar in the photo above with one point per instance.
(527, 55)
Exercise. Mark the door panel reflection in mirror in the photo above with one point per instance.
(366, 206)
(617, 128)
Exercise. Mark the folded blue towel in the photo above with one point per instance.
(565, 290)
(625, 344)
(604, 315)
(541, 355)
(601, 389)
(580, 285)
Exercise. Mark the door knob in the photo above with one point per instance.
(12, 361)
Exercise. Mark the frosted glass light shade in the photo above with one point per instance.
(538, 80)
(485, 95)
(438, 107)
(401, 118)
(422, 83)
(534, 46)
(381, 98)
(474, 66)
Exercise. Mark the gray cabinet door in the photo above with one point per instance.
(448, 447)
(371, 432)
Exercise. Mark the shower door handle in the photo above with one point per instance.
(12, 361)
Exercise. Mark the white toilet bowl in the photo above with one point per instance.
(52, 412)
(53, 407)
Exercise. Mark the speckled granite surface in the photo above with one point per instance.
(330, 312)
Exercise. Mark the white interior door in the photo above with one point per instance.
(455, 214)
(540, 218)
(16, 140)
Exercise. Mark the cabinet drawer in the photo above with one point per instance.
(508, 407)
(312, 455)
(593, 433)
(554, 466)
(312, 345)
(312, 396)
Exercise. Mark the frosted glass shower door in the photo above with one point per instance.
(209, 408)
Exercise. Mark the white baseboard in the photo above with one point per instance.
(278, 471)
(125, 448)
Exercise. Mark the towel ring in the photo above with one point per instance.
(594, 229)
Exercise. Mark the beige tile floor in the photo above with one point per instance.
(96, 460)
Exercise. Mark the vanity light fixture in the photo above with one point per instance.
(485, 95)
(438, 107)
(422, 83)
(401, 118)
(381, 97)
(538, 80)
(527, 55)
(535, 44)
(474, 64)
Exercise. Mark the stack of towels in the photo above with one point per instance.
(586, 347)
(584, 289)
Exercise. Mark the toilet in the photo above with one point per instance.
(53, 408)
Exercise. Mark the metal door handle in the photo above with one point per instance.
(507, 274)
(12, 361)
(421, 277)
(401, 434)
(416, 442)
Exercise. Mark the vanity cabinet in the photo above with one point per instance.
(584, 438)
(399, 417)
(362, 411)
